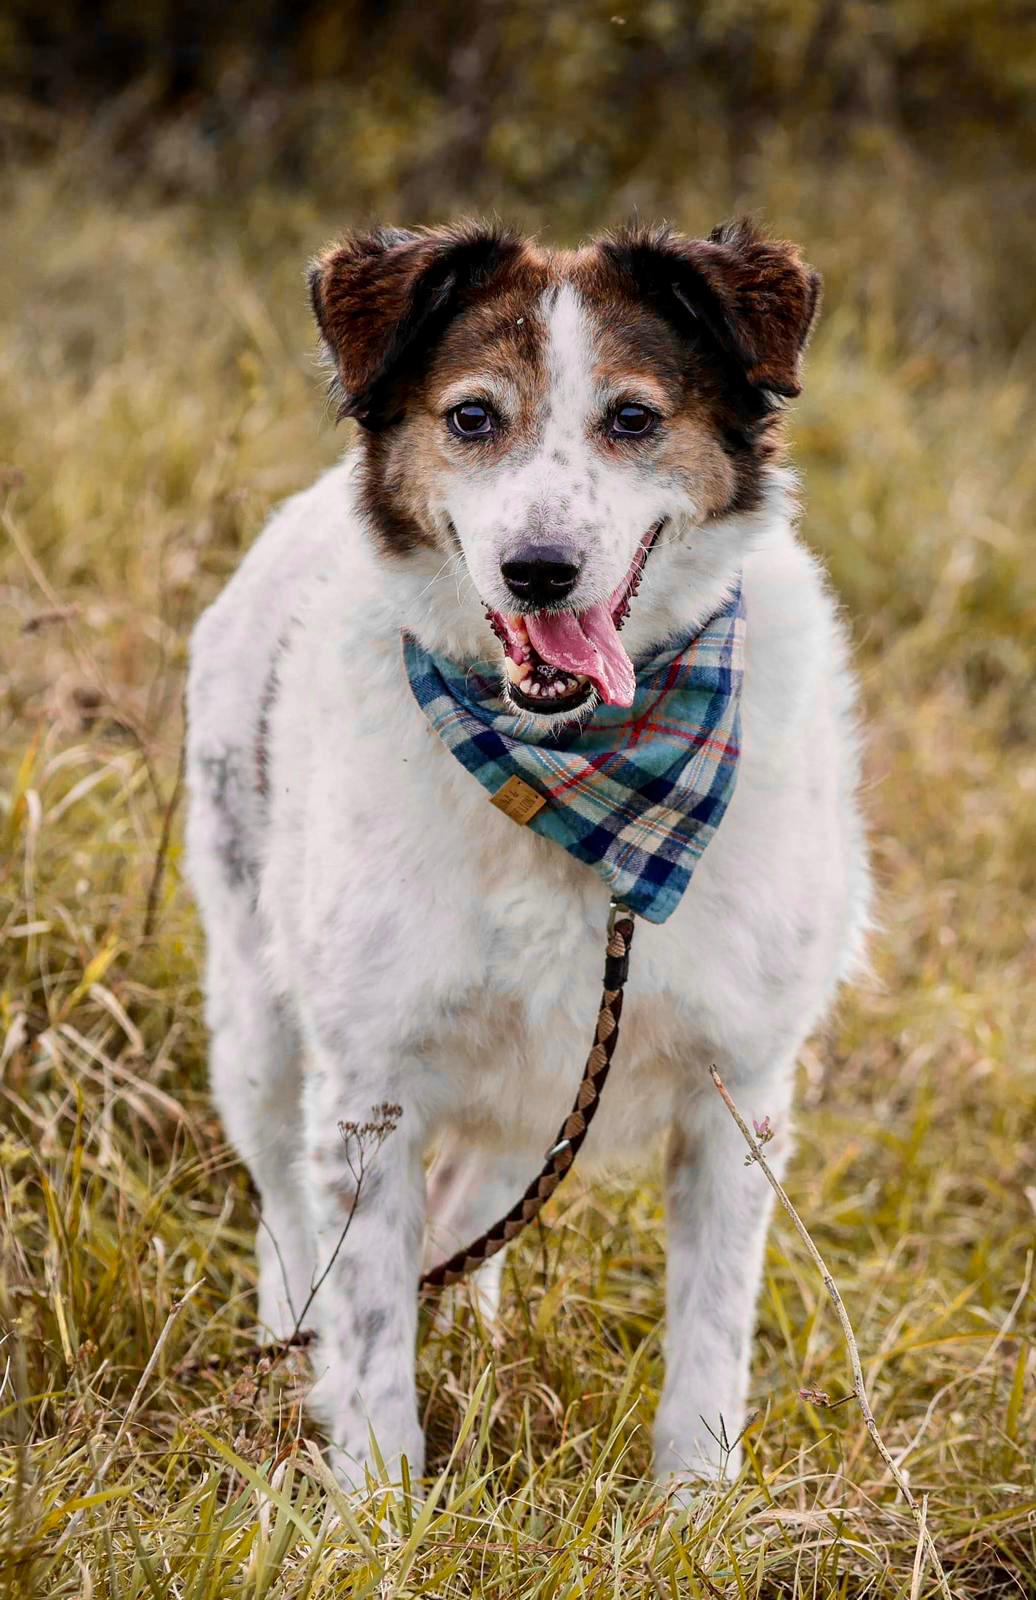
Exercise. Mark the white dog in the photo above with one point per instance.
(535, 428)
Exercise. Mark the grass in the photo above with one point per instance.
(157, 396)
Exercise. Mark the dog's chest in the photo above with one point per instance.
(413, 920)
(484, 942)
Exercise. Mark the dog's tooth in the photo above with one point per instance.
(534, 687)
(525, 684)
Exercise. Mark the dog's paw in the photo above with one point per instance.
(368, 1439)
(358, 1471)
(687, 1468)
(682, 1492)
(362, 1454)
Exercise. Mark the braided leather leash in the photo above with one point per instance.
(565, 1148)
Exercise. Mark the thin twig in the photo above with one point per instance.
(261, 1222)
(859, 1387)
(145, 1378)
(297, 1331)
(251, 1355)
(365, 1136)
(158, 870)
(373, 1133)
(135, 1399)
(299, 1338)
(919, 1554)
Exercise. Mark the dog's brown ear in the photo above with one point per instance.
(383, 299)
(755, 295)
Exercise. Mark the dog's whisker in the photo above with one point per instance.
(442, 574)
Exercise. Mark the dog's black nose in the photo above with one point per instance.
(541, 575)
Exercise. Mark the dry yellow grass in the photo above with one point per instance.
(157, 396)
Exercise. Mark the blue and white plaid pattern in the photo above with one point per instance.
(635, 792)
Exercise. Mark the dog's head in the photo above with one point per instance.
(551, 418)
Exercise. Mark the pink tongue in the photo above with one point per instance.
(588, 644)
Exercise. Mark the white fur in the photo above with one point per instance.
(563, 489)
(378, 932)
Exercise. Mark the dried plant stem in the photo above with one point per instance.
(917, 1576)
(138, 1394)
(165, 836)
(298, 1330)
(361, 1141)
(859, 1387)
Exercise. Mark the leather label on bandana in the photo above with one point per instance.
(517, 800)
(634, 793)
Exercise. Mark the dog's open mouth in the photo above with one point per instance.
(555, 660)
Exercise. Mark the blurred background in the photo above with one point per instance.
(166, 171)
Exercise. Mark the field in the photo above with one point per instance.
(158, 395)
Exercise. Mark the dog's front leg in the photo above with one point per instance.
(366, 1191)
(717, 1211)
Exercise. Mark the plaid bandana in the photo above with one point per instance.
(636, 792)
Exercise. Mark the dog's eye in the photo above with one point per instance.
(633, 422)
(471, 420)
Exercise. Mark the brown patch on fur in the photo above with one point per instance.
(387, 305)
(754, 295)
(382, 301)
(719, 432)
(771, 298)
(691, 450)
(717, 324)
(498, 340)
(639, 353)
(391, 495)
(498, 334)
(501, 334)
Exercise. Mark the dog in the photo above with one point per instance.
(390, 958)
